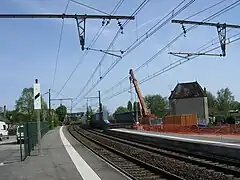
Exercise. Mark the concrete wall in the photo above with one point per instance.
(190, 106)
(185, 145)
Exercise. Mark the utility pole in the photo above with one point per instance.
(50, 108)
(49, 102)
(37, 107)
(100, 103)
(71, 106)
(4, 111)
(222, 34)
(87, 107)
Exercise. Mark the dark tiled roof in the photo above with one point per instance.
(187, 90)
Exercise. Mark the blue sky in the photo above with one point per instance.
(28, 50)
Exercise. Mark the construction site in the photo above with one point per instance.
(188, 114)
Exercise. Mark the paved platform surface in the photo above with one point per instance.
(9, 151)
(218, 138)
(56, 163)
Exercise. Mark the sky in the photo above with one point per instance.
(28, 50)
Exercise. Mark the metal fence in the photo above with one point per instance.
(30, 137)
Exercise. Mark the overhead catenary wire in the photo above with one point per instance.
(205, 9)
(179, 36)
(95, 38)
(111, 44)
(168, 68)
(59, 46)
(90, 7)
(132, 47)
(117, 6)
(168, 45)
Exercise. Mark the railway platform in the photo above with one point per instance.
(62, 157)
(224, 140)
(222, 146)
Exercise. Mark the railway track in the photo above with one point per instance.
(200, 155)
(131, 166)
(219, 165)
(182, 166)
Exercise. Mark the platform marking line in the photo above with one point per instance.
(178, 138)
(83, 168)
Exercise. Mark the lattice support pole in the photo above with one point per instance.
(81, 24)
(222, 33)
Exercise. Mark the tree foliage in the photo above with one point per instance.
(156, 104)
(211, 101)
(25, 104)
(236, 105)
(120, 109)
(218, 105)
(89, 113)
(224, 100)
(61, 112)
(130, 106)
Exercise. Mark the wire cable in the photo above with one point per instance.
(169, 67)
(117, 6)
(180, 35)
(133, 46)
(111, 44)
(59, 46)
(210, 7)
(90, 7)
(95, 38)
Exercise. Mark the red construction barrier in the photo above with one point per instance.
(176, 128)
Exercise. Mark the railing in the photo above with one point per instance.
(30, 137)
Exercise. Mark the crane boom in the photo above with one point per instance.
(143, 105)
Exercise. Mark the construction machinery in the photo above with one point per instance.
(145, 115)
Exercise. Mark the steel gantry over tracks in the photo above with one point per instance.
(80, 20)
(222, 34)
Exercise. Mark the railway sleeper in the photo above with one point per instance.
(140, 172)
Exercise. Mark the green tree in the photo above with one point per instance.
(25, 104)
(130, 106)
(61, 112)
(225, 100)
(236, 105)
(120, 109)
(212, 102)
(89, 113)
(156, 104)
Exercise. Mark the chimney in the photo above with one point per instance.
(205, 91)
(4, 111)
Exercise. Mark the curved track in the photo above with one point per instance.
(129, 165)
(139, 161)
(219, 165)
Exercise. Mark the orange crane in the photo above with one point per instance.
(145, 115)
